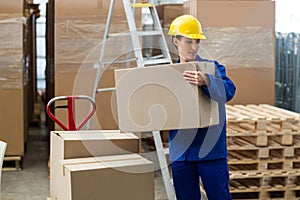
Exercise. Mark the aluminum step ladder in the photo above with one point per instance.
(141, 61)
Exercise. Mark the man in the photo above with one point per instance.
(206, 155)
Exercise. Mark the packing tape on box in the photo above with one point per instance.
(98, 160)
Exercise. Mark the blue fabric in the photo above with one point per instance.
(205, 143)
(214, 175)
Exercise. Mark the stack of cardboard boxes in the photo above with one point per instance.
(241, 36)
(79, 29)
(99, 165)
(13, 77)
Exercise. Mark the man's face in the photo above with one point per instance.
(187, 48)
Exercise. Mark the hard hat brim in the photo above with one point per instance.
(190, 36)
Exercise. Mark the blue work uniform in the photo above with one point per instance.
(203, 151)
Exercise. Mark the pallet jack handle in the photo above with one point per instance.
(71, 110)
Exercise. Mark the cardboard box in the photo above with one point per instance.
(79, 29)
(80, 144)
(109, 177)
(168, 12)
(12, 127)
(82, 83)
(89, 7)
(255, 85)
(13, 6)
(233, 41)
(232, 13)
(158, 98)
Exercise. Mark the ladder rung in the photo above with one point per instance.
(139, 5)
(118, 34)
(166, 151)
(147, 33)
(106, 89)
(118, 61)
(156, 61)
(140, 33)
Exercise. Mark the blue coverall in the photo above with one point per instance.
(203, 151)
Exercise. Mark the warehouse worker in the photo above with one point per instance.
(206, 155)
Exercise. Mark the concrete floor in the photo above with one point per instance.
(32, 183)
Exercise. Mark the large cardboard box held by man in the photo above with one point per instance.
(158, 98)
(116, 177)
(81, 144)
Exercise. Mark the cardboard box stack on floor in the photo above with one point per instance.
(241, 36)
(79, 29)
(12, 77)
(98, 165)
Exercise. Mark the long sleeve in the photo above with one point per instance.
(220, 87)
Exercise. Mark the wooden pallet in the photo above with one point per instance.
(261, 113)
(271, 181)
(288, 194)
(246, 150)
(262, 122)
(12, 163)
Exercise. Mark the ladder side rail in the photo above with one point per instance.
(133, 33)
(99, 65)
(162, 39)
(163, 165)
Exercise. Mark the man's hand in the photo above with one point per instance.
(196, 77)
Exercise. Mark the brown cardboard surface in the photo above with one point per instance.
(12, 6)
(77, 144)
(255, 85)
(82, 83)
(158, 98)
(238, 46)
(12, 127)
(79, 28)
(80, 37)
(88, 7)
(232, 13)
(109, 177)
(168, 12)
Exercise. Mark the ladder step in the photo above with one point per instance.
(166, 151)
(106, 89)
(140, 33)
(118, 34)
(141, 5)
(119, 61)
(157, 61)
(148, 33)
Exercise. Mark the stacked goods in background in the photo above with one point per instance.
(13, 78)
(240, 35)
(79, 29)
(263, 152)
(167, 12)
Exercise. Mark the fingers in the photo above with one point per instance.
(194, 77)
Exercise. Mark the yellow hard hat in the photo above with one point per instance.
(187, 26)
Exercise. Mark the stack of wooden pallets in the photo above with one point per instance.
(264, 152)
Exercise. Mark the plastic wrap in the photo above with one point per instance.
(11, 51)
(240, 46)
(79, 40)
